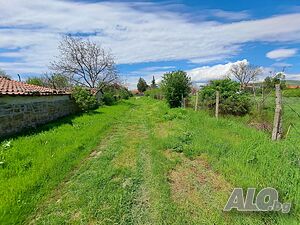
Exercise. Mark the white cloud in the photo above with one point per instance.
(206, 73)
(292, 77)
(230, 15)
(135, 34)
(282, 53)
(282, 64)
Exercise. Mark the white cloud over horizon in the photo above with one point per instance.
(31, 30)
(282, 53)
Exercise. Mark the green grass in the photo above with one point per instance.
(35, 163)
(291, 92)
(157, 165)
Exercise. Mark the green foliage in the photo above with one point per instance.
(37, 162)
(35, 81)
(56, 81)
(84, 99)
(176, 85)
(237, 104)
(124, 93)
(140, 157)
(142, 85)
(155, 93)
(109, 98)
(279, 78)
(291, 92)
(113, 93)
(232, 101)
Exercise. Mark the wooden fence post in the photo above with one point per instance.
(217, 104)
(196, 101)
(277, 125)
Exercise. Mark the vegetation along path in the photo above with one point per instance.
(157, 165)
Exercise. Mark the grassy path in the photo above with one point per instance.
(153, 168)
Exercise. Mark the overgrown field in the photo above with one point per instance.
(154, 165)
(35, 163)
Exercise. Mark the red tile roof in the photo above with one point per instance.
(11, 87)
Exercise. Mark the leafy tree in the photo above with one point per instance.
(176, 85)
(114, 92)
(153, 84)
(84, 99)
(232, 101)
(142, 85)
(278, 78)
(35, 81)
(56, 81)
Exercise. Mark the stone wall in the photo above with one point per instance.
(20, 112)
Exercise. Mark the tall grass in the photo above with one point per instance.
(34, 163)
(245, 156)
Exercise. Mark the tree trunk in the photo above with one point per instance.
(217, 104)
(277, 126)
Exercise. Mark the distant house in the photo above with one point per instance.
(24, 105)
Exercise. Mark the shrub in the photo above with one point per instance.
(108, 98)
(125, 93)
(84, 99)
(155, 93)
(176, 85)
(232, 101)
(113, 93)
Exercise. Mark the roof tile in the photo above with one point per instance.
(12, 87)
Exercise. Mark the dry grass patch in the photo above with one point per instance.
(196, 188)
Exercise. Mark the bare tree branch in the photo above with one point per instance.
(244, 73)
(85, 63)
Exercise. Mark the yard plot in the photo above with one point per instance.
(156, 165)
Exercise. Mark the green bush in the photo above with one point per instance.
(176, 85)
(125, 93)
(232, 101)
(114, 92)
(155, 93)
(108, 98)
(84, 99)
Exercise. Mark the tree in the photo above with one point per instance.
(271, 81)
(176, 85)
(35, 81)
(4, 74)
(85, 63)
(232, 101)
(244, 73)
(153, 84)
(142, 85)
(56, 81)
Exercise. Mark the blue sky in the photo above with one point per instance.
(152, 37)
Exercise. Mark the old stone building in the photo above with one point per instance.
(25, 106)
